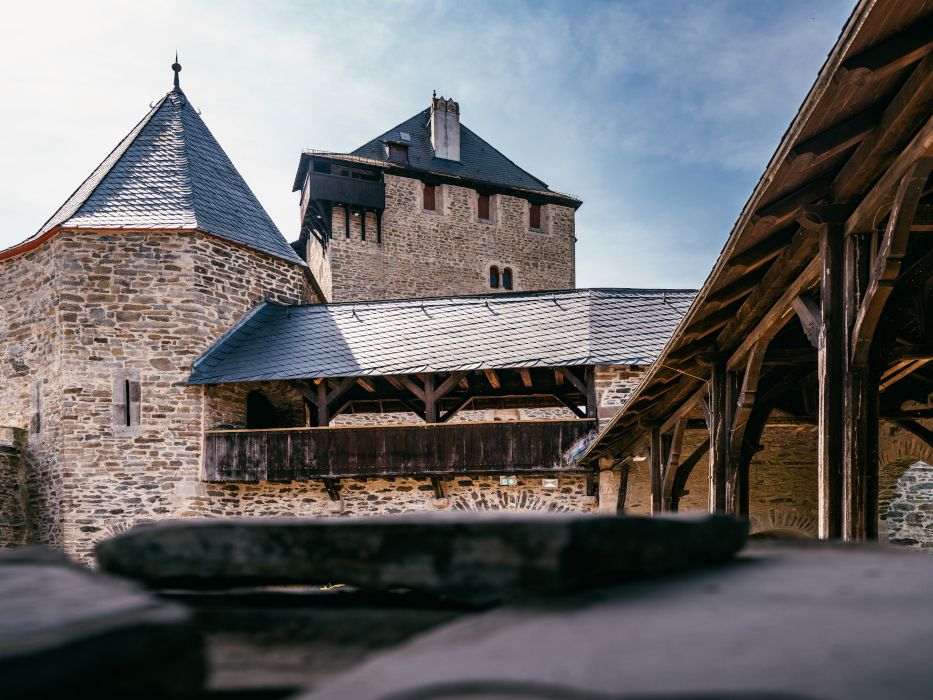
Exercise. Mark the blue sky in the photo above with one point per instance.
(660, 115)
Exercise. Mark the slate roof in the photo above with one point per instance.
(170, 173)
(478, 160)
(539, 329)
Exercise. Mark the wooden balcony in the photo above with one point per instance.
(301, 454)
(344, 190)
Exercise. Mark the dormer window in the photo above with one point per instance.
(398, 153)
(534, 216)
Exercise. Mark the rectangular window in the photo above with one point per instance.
(534, 216)
(483, 207)
(126, 400)
(398, 154)
(430, 198)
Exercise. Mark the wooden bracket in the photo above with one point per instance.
(438, 486)
(890, 259)
(333, 488)
(808, 311)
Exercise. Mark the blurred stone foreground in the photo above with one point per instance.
(459, 606)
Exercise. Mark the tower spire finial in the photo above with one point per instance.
(176, 66)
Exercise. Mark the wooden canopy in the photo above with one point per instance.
(820, 307)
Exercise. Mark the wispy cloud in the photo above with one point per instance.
(659, 114)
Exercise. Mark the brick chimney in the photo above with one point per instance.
(445, 128)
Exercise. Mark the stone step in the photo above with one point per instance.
(468, 557)
(65, 630)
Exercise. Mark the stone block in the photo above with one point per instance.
(478, 558)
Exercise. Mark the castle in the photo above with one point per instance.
(125, 316)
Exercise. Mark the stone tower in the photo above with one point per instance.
(161, 250)
(429, 208)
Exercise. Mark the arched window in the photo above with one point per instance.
(494, 277)
(507, 278)
(260, 413)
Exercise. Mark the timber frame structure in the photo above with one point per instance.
(820, 306)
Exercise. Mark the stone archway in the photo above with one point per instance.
(523, 500)
(784, 523)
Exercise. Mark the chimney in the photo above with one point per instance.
(445, 128)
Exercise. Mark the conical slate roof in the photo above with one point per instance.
(170, 173)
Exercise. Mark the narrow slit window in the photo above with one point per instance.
(534, 216)
(483, 207)
(430, 198)
(507, 278)
(37, 408)
(494, 277)
(126, 402)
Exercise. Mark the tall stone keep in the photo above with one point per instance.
(158, 253)
(429, 208)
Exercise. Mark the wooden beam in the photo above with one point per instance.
(920, 431)
(892, 54)
(333, 489)
(776, 316)
(889, 260)
(526, 377)
(558, 377)
(685, 409)
(785, 209)
(571, 405)
(909, 108)
(746, 399)
(683, 472)
(430, 402)
(461, 403)
(574, 380)
(343, 386)
(720, 405)
(448, 385)
(793, 273)
(808, 311)
(323, 415)
(831, 365)
(366, 384)
(438, 486)
(704, 325)
(908, 368)
(835, 140)
(763, 252)
(739, 289)
(492, 378)
(654, 466)
(406, 382)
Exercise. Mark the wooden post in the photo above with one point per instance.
(860, 409)
(430, 400)
(654, 461)
(719, 423)
(831, 366)
(323, 415)
(592, 406)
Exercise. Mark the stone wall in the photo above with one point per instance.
(382, 496)
(909, 516)
(30, 376)
(782, 486)
(14, 496)
(135, 306)
(448, 251)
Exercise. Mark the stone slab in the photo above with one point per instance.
(65, 629)
(287, 639)
(469, 557)
(782, 620)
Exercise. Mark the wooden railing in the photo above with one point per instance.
(395, 450)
